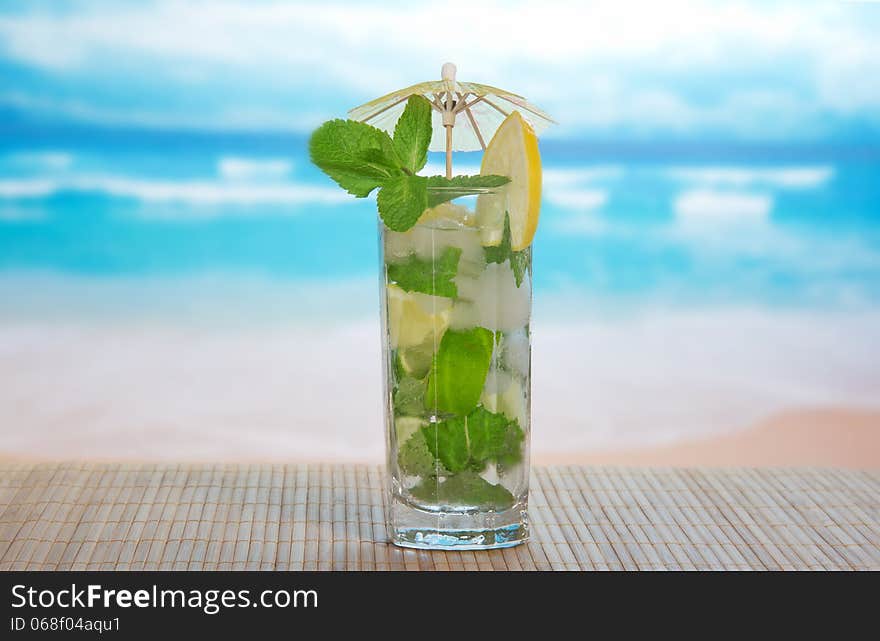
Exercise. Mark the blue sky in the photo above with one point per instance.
(740, 71)
(708, 152)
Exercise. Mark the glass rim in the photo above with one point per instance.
(466, 191)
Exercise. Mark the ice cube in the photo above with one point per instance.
(504, 394)
(497, 382)
(463, 316)
(468, 286)
(398, 245)
(429, 242)
(515, 352)
(468, 240)
(512, 403)
(501, 305)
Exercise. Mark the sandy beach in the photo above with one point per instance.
(815, 438)
(720, 388)
(819, 437)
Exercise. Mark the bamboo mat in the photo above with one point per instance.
(331, 517)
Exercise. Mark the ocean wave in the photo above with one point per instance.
(195, 192)
(39, 160)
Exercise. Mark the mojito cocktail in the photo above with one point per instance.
(457, 359)
(456, 266)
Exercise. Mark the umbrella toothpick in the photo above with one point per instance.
(447, 72)
(480, 104)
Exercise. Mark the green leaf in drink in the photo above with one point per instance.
(436, 278)
(519, 261)
(493, 437)
(415, 459)
(447, 442)
(459, 370)
(473, 441)
(409, 397)
(465, 488)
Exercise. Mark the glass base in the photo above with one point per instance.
(414, 528)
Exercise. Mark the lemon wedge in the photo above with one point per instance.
(414, 318)
(512, 152)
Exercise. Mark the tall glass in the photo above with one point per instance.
(456, 306)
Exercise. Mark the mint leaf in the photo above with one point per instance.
(412, 133)
(447, 441)
(519, 261)
(458, 373)
(355, 155)
(402, 200)
(442, 189)
(428, 277)
(414, 458)
(409, 397)
(493, 437)
(472, 441)
(465, 488)
(500, 252)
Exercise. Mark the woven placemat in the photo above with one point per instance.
(331, 517)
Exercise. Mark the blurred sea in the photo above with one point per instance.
(679, 290)
(632, 224)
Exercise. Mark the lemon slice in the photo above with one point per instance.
(448, 212)
(513, 152)
(413, 318)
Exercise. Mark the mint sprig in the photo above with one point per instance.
(357, 156)
(361, 158)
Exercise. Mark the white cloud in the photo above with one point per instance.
(697, 208)
(786, 177)
(589, 224)
(556, 177)
(579, 199)
(596, 66)
(237, 168)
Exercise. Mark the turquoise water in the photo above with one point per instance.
(671, 224)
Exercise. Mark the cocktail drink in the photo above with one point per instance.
(457, 361)
(456, 293)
